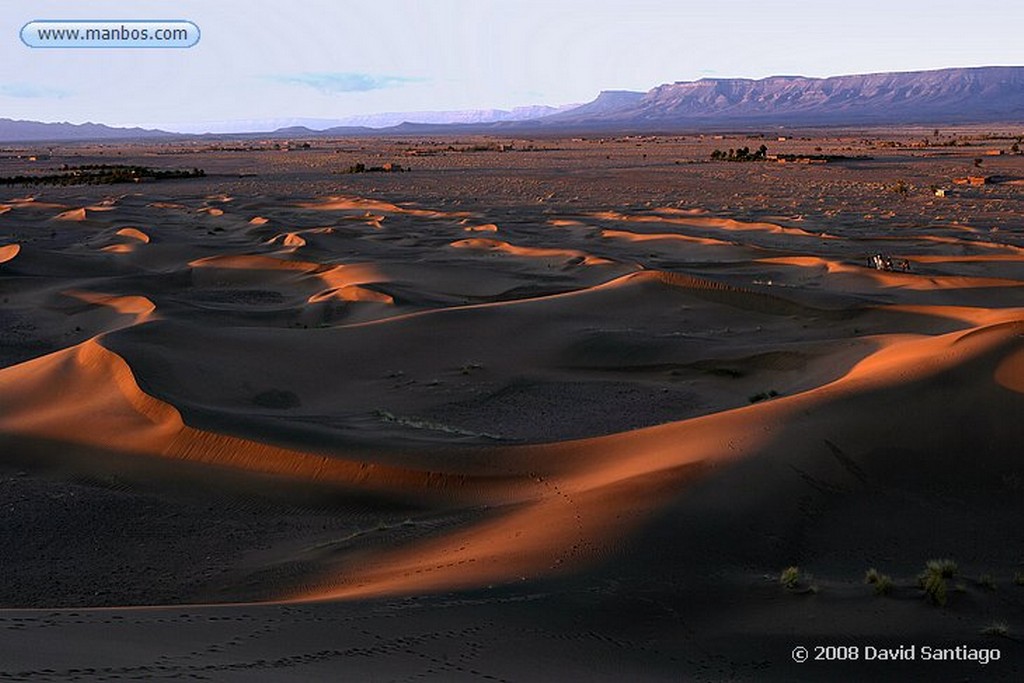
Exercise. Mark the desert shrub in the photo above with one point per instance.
(386, 168)
(790, 577)
(986, 581)
(946, 567)
(762, 396)
(1018, 578)
(881, 582)
(741, 154)
(102, 174)
(934, 587)
(933, 580)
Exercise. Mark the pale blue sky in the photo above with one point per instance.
(272, 59)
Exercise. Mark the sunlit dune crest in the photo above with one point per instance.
(910, 280)
(660, 236)
(1010, 372)
(288, 239)
(8, 252)
(485, 244)
(695, 220)
(134, 234)
(71, 215)
(676, 211)
(139, 307)
(252, 262)
(334, 278)
(352, 293)
(30, 202)
(362, 204)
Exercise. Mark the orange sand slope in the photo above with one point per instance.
(556, 402)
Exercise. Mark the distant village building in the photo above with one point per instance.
(973, 180)
(889, 264)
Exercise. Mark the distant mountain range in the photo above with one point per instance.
(383, 120)
(967, 95)
(32, 131)
(946, 96)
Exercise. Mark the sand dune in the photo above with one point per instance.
(139, 307)
(649, 237)
(623, 477)
(722, 225)
(352, 293)
(484, 244)
(134, 234)
(134, 237)
(551, 509)
(8, 252)
(897, 280)
(125, 419)
(288, 239)
(367, 205)
(71, 215)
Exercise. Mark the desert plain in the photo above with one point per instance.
(548, 409)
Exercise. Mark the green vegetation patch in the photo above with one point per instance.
(102, 174)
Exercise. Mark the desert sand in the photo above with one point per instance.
(559, 412)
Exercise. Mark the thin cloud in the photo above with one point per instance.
(346, 81)
(31, 90)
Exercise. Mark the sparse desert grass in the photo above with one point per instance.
(901, 187)
(793, 579)
(881, 582)
(933, 580)
(996, 628)
(986, 581)
(1018, 579)
(421, 423)
(946, 567)
(469, 368)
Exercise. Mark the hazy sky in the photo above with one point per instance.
(272, 59)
